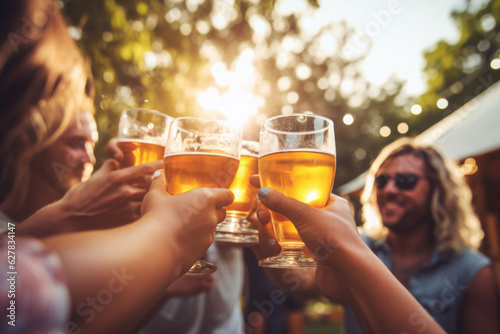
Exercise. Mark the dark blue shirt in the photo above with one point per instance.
(439, 285)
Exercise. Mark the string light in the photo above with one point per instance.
(469, 167)
(442, 103)
(495, 64)
(416, 109)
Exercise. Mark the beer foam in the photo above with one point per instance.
(148, 140)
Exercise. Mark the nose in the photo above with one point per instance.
(87, 155)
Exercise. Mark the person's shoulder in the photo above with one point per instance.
(467, 263)
(363, 235)
(473, 256)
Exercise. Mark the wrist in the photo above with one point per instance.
(359, 268)
(340, 253)
(163, 239)
(50, 220)
(348, 257)
(63, 217)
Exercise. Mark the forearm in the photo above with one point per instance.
(114, 274)
(50, 220)
(381, 303)
(147, 314)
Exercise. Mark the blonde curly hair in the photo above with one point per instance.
(455, 223)
(45, 84)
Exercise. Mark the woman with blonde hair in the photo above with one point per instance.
(45, 85)
(94, 281)
(48, 132)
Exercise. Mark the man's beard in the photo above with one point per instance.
(407, 224)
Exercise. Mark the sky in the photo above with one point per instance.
(400, 31)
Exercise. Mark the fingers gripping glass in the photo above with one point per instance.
(404, 181)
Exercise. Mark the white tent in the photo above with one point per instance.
(471, 130)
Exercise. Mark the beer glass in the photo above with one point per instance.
(142, 135)
(298, 158)
(201, 152)
(235, 228)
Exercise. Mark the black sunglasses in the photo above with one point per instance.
(404, 181)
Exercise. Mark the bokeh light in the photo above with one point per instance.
(284, 83)
(469, 167)
(385, 131)
(348, 119)
(442, 103)
(403, 128)
(292, 97)
(287, 109)
(416, 109)
(323, 83)
(495, 64)
(108, 77)
(360, 153)
(303, 71)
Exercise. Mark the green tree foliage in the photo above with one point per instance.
(159, 55)
(330, 84)
(460, 71)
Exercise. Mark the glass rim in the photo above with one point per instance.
(250, 141)
(329, 124)
(226, 123)
(148, 111)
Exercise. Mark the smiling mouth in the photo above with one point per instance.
(392, 205)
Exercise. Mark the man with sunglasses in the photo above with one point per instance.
(420, 222)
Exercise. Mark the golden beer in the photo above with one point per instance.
(304, 175)
(244, 192)
(186, 171)
(138, 152)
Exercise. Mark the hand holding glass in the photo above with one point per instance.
(297, 157)
(201, 152)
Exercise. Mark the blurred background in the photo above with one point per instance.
(379, 69)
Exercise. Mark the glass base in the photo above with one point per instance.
(236, 230)
(289, 259)
(237, 238)
(201, 267)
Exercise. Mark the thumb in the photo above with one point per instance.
(289, 207)
(159, 182)
(113, 150)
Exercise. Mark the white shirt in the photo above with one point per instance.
(216, 311)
